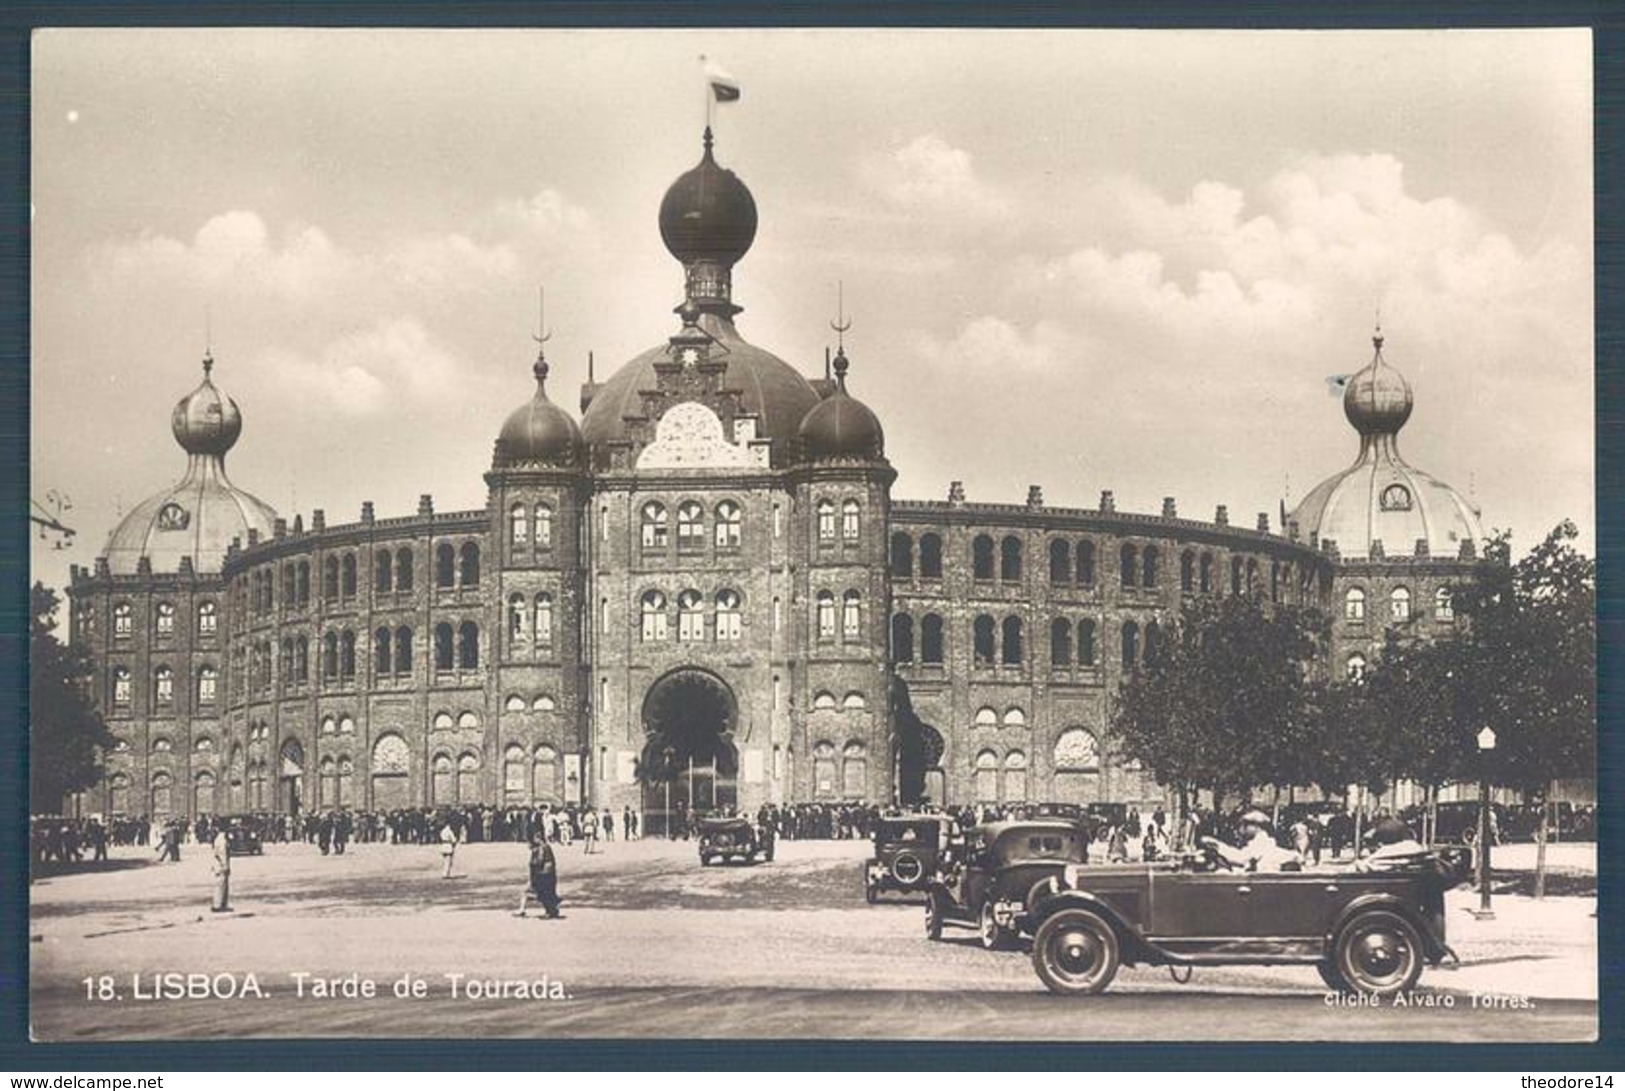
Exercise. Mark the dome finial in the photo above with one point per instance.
(709, 140)
(208, 340)
(841, 323)
(1376, 338)
(541, 336)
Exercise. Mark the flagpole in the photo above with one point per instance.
(705, 89)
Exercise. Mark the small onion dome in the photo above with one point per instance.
(708, 214)
(840, 427)
(539, 431)
(206, 422)
(1378, 399)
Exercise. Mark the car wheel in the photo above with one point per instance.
(994, 936)
(1379, 954)
(705, 861)
(933, 917)
(1076, 953)
(1333, 977)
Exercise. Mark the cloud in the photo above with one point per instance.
(360, 374)
(929, 177)
(990, 343)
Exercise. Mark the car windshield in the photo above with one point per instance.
(921, 833)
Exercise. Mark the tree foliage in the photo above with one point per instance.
(66, 735)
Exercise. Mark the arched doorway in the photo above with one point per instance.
(689, 763)
(292, 776)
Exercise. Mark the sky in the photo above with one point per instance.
(1085, 260)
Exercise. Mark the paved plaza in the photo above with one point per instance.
(652, 944)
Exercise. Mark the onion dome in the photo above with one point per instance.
(708, 214)
(538, 432)
(841, 428)
(1381, 497)
(197, 517)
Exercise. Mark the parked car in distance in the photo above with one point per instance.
(909, 850)
(733, 838)
(1367, 931)
(1006, 867)
(243, 838)
(1456, 823)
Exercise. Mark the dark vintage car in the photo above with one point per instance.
(243, 838)
(1005, 867)
(724, 839)
(1366, 931)
(908, 852)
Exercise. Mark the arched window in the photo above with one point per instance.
(1152, 643)
(849, 520)
(902, 638)
(1205, 581)
(164, 619)
(690, 616)
(983, 636)
(346, 655)
(1355, 668)
(207, 618)
(652, 607)
(824, 786)
(470, 567)
(653, 525)
(1060, 642)
(544, 618)
(1013, 652)
(1076, 750)
(468, 646)
(690, 525)
(207, 679)
(543, 528)
(403, 650)
(382, 659)
(544, 775)
(854, 772)
(823, 701)
(986, 717)
(730, 519)
(330, 656)
(1086, 564)
(443, 721)
(1128, 565)
(1148, 567)
(1010, 558)
(1187, 572)
(730, 618)
(1444, 606)
(1086, 643)
(1235, 575)
(826, 615)
(826, 520)
(931, 556)
(444, 656)
(1015, 777)
(468, 721)
(163, 687)
(161, 801)
(514, 703)
(931, 650)
(1015, 717)
(982, 557)
(123, 619)
(1399, 603)
(850, 619)
(1354, 604)
(1131, 645)
(330, 578)
(445, 565)
(854, 702)
(902, 555)
(1252, 575)
(121, 687)
(1060, 561)
(518, 525)
(403, 569)
(518, 630)
(987, 777)
(348, 572)
(383, 571)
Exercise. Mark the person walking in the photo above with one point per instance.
(448, 847)
(222, 871)
(589, 832)
(544, 878)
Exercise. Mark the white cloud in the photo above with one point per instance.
(393, 362)
(929, 177)
(990, 343)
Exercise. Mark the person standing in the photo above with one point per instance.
(448, 847)
(544, 878)
(589, 832)
(608, 824)
(222, 871)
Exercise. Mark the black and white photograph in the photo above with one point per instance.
(967, 535)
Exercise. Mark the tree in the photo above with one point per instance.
(1228, 702)
(66, 735)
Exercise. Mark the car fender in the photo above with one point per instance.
(1436, 949)
(1133, 944)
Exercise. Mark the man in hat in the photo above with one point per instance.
(1393, 846)
(1257, 850)
(544, 878)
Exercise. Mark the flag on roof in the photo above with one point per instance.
(1335, 384)
(724, 88)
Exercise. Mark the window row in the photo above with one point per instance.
(903, 555)
(541, 703)
(206, 683)
(840, 773)
(850, 527)
(824, 701)
(851, 615)
(987, 716)
(163, 619)
(530, 619)
(726, 616)
(530, 527)
(727, 521)
(1000, 779)
(1399, 604)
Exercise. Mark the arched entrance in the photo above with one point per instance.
(918, 755)
(689, 763)
(293, 776)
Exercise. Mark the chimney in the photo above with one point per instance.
(143, 564)
(1169, 509)
(186, 564)
(1221, 515)
(1292, 529)
(1035, 496)
(280, 528)
(253, 537)
(1422, 547)
(426, 504)
(956, 493)
(1263, 522)
(1468, 551)
(1377, 553)
(318, 520)
(298, 524)
(366, 512)
(1107, 501)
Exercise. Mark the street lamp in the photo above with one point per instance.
(1486, 743)
(669, 753)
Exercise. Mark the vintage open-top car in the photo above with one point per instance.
(733, 838)
(1005, 866)
(243, 837)
(1367, 930)
(908, 852)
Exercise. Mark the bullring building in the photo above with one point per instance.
(701, 591)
